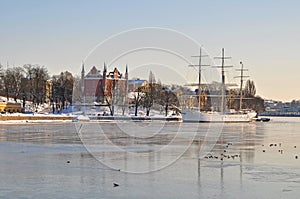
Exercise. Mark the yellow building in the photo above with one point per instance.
(10, 107)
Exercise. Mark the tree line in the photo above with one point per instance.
(250, 100)
(154, 93)
(150, 95)
(146, 96)
(32, 82)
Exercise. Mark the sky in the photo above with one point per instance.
(264, 34)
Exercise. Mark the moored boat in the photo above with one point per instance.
(213, 116)
(195, 115)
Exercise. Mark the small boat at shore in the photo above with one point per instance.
(261, 119)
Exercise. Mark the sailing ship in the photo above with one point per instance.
(192, 114)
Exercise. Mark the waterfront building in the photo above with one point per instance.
(100, 87)
(279, 108)
(90, 82)
(136, 83)
(11, 107)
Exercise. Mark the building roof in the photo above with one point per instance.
(114, 74)
(94, 73)
(136, 81)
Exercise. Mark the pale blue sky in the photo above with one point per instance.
(263, 34)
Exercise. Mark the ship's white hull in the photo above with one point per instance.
(196, 116)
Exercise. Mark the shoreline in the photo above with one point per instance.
(92, 118)
(36, 117)
(280, 114)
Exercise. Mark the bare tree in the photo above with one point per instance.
(233, 99)
(250, 89)
(37, 75)
(1, 77)
(66, 80)
(167, 99)
(149, 91)
(250, 102)
(137, 100)
(12, 82)
(77, 90)
(147, 101)
(62, 90)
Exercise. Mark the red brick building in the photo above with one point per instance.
(97, 84)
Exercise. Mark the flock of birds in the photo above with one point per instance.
(280, 150)
(225, 155)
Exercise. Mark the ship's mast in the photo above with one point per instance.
(199, 65)
(223, 58)
(242, 76)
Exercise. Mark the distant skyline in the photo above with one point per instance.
(59, 34)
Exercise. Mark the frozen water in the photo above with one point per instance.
(48, 160)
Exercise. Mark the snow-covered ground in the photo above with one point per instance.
(38, 110)
(45, 110)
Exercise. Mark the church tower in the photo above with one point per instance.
(82, 78)
(126, 88)
(126, 80)
(126, 73)
(82, 71)
(104, 82)
(104, 70)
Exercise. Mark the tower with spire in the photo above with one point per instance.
(82, 79)
(125, 101)
(126, 73)
(82, 71)
(104, 82)
(126, 81)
